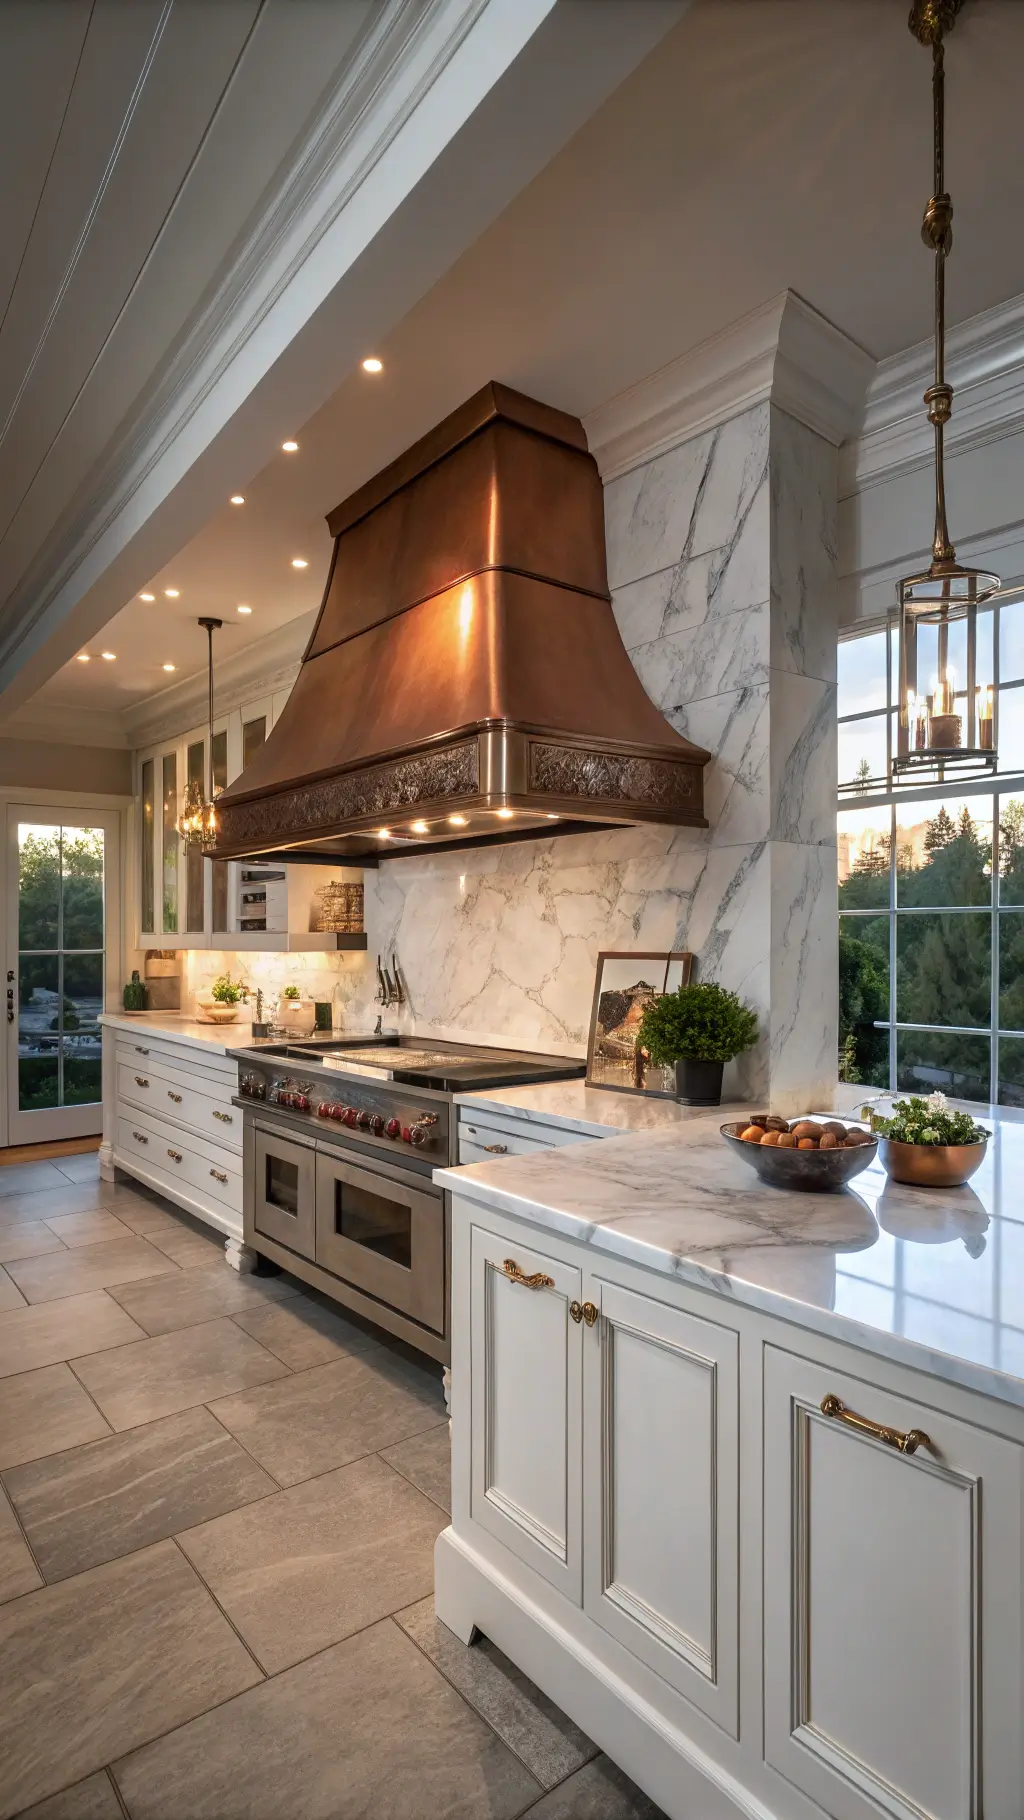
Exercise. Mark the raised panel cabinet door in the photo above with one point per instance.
(526, 1425)
(661, 1491)
(892, 1579)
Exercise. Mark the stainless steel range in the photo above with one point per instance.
(340, 1144)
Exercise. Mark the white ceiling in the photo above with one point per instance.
(765, 145)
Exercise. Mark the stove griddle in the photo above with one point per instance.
(446, 1070)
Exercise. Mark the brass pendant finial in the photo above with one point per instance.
(930, 19)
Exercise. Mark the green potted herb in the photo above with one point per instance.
(295, 1014)
(220, 1004)
(921, 1141)
(697, 1030)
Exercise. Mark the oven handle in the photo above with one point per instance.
(358, 1169)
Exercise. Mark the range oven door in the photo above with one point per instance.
(384, 1234)
(281, 1182)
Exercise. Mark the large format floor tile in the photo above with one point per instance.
(366, 1729)
(90, 1228)
(154, 1378)
(82, 1168)
(27, 1239)
(192, 1296)
(18, 1572)
(426, 1461)
(93, 1799)
(102, 1663)
(61, 1330)
(549, 1744)
(64, 1273)
(304, 1333)
(29, 1178)
(70, 1197)
(316, 1563)
(44, 1412)
(118, 1494)
(10, 1294)
(333, 1414)
(190, 1247)
(599, 1791)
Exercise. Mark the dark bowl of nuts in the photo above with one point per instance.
(816, 1154)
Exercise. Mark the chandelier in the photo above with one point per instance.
(197, 823)
(951, 725)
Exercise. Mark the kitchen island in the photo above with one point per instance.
(738, 1473)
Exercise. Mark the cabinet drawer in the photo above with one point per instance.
(485, 1143)
(526, 1398)
(178, 1097)
(197, 1064)
(167, 1151)
(893, 1678)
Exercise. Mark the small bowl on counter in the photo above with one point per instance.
(931, 1165)
(821, 1154)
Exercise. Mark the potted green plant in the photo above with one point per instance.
(220, 1004)
(922, 1142)
(697, 1030)
(295, 1014)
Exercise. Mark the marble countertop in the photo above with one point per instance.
(176, 1028)
(931, 1278)
(594, 1111)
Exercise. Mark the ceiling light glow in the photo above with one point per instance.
(147, 596)
(83, 657)
(372, 365)
(290, 448)
(420, 828)
(109, 656)
(504, 815)
(299, 562)
(457, 821)
(169, 666)
(172, 593)
(243, 609)
(238, 499)
(383, 833)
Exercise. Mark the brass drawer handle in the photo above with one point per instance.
(497, 1149)
(833, 1407)
(139, 1050)
(140, 1137)
(583, 1311)
(176, 1097)
(226, 1118)
(218, 1175)
(141, 1081)
(537, 1281)
(175, 1156)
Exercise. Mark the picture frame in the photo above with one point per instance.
(626, 982)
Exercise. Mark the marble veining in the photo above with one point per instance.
(932, 1279)
(591, 1111)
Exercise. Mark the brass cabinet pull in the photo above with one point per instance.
(176, 1097)
(833, 1407)
(141, 1081)
(226, 1118)
(583, 1311)
(140, 1137)
(175, 1155)
(139, 1050)
(218, 1175)
(537, 1281)
(497, 1149)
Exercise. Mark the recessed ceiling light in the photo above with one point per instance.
(238, 499)
(383, 833)
(504, 815)
(457, 821)
(147, 596)
(290, 448)
(109, 656)
(172, 593)
(245, 609)
(83, 657)
(299, 562)
(373, 365)
(420, 828)
(168, 666)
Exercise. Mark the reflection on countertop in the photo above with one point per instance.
(594, 1111)
(932, 1278)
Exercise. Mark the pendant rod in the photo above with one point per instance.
(211, 626)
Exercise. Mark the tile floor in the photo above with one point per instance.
(218, 1503)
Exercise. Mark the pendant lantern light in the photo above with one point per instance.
(197, 824)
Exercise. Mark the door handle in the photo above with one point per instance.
(537, 1281)
(141, 1081)
(175, 1156)
(176, 1097)
(497, 1149)
(224, 1117)
(835, 1409)
(583, 1311)
(140, 1137)
(218, 1175)
(139, 1050)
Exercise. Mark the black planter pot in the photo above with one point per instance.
(699, 1083)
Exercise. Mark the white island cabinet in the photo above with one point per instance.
(168, 1119)
(766, 1553)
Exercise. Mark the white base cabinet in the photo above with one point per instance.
(757, 1608)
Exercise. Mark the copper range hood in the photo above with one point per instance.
(465, 682)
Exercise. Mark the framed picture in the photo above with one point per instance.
(625, 986)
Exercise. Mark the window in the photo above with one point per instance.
(931, 896)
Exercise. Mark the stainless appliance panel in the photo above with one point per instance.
(282, 1184)
(384, 1233)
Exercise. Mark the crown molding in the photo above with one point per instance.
(260, 668)
(784, 353)
(65, 724)
(985, 365)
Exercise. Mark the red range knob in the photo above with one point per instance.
(325, 1110)
(362, 1119)
(406, 1135)
(377, 1124)
(393, 1128)
(349, 1115)
(301, 1102)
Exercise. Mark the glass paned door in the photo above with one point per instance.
(59, 874)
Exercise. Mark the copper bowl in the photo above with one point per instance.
(931, 1165)
(814, 1171)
